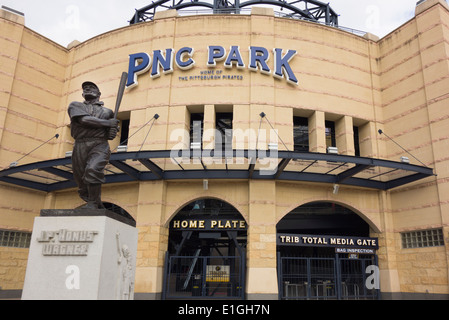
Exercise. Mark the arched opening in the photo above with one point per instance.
(324, 250)
(120, 213)
(119, 210)
(324, 217)
(206, 252)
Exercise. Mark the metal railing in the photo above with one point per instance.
(204, 277)
(247, 11)
(306, 278)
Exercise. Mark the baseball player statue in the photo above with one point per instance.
(92, 125)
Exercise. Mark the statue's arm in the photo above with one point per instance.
(92, 122)
(77, 113)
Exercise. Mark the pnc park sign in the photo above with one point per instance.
(184, 59)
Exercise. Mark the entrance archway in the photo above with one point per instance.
(324, 251)
(206, 252)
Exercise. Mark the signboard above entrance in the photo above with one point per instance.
(140, 63)
(208, 224)
(327, 241)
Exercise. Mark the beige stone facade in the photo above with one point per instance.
(397, 84)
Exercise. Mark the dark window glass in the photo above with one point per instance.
(301, 134)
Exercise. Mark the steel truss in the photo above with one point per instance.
(311, 10)
(53, 175)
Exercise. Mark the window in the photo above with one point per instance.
(301, 134)
(196, 129)
(422, 239)
(223, 123)
(356, 141)
(330, 134)
(15, 239)
(124, 132)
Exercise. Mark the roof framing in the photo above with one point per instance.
(54, 175)
(311, 10)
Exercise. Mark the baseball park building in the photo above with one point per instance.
(261, 154)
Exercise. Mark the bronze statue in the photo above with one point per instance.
(92, 125)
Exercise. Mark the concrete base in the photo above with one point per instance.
(262, 296)
(90, 257)
(413, 296)
(148, 296)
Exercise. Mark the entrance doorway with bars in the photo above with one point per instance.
(189, 277)
(325, 278)
(207, 253)
(325, 252)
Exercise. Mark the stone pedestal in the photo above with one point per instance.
(81, 255)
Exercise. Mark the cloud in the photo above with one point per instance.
(67, 20)
(379, 17)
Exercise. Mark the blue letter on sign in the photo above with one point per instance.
(234, 56)
(185, 65)
(258, 57)
(282, 64)
(165, 62)
(216, 53)
(136, 68)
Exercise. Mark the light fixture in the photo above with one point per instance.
(14, 164)
(332, 150)
(206, 184)
(122, 148)
(336, 189)
(405, 160)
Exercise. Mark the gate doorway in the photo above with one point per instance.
(324, 251)
(207, 253)
(325, 278)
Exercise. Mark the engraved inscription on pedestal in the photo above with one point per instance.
(89, 257)
(66, 242)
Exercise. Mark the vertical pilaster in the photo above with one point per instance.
(240, 125)
(367, 140)
(344, 133)
(284, 127)
(261, 254)
(209, 127)
(317, 132)
(431, 22)
(11, 26)
(178, 128)
(389, 275)
(153, 240)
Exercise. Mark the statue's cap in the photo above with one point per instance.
(90, 84)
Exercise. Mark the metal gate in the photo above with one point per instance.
(213, 277)
(324, 278)
(353, 276)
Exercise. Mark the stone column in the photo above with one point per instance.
(317, 132)
(209, 127)
(153, 240)
(367, 140)
(389, 275)
(14, 26)
(261, 254)
(344, 133)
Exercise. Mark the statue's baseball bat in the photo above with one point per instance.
(121, 91)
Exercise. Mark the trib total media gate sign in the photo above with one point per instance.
(342, 244)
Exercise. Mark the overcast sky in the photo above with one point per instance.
(66, 20)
